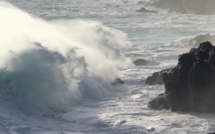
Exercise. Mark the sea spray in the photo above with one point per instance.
(56, 64)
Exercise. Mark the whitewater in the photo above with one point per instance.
(59, 59)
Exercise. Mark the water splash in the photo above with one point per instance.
(58, 63)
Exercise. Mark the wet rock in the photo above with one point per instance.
(117, 81)
(151, 129)
(158, 103)
(144, 10)
(140, 62)
(190, 85)
(202, 7)
(157, 77)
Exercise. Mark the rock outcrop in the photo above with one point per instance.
(144, 10)
(140, 62)
(202, 7)
(190, 85)
(157, 77)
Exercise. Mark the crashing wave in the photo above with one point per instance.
(56, 64)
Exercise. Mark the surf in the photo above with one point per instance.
(57, 64)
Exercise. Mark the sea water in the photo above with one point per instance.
(59, 58)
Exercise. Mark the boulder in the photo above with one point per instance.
(190, 85)
(157, 77)
(144, 10)
(158, 103)
(117, 81)
(140, 62)
(203, 7)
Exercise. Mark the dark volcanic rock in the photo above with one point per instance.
(157, 77)
(117, 81)
(140, 62)
(202, 7)
(190, 85)
(158, 103)
(144, 10)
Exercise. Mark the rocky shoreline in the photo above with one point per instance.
(189, 86)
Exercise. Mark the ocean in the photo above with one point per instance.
(58, 61)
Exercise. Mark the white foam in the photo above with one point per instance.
(57, 63)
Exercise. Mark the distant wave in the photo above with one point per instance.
(56, 64)
(187, 6)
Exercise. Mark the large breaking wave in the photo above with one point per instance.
(56, 64)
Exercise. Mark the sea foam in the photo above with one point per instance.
(56, 64)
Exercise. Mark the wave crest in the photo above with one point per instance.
(56, 64)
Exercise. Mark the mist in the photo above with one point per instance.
(57, 64)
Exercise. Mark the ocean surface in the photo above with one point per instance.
(58, 59)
